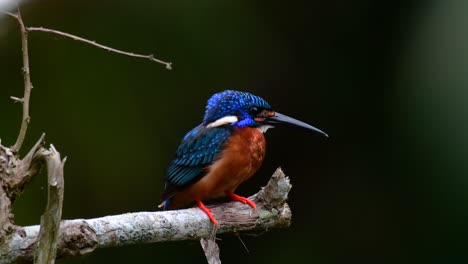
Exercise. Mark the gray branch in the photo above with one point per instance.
(83, 236)
(27, 84)
(15, 174)
(94, 43)
(211, 250)
(50, 220)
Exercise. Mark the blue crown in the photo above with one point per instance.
(230, 103)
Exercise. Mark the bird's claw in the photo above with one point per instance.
(208, 212)
(241, 199)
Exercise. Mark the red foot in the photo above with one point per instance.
(240, 199)
(207, 212)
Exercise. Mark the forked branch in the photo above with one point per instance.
(27, 74)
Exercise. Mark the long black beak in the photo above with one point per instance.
(284, 120)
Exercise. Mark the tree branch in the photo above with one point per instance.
(94, 43)
(6, 225)
(50, 220)
(211, 250)
(83, 236)
(22, 171)
(27, 74)
(27, 83)
(15, 174)
(8, 13)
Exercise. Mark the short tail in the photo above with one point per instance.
(168, 193)
(165, 204)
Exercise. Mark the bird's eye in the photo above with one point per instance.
(254, 111)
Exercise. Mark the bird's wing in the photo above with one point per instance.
(199, 148)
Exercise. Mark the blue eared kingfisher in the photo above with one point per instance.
(215, 157)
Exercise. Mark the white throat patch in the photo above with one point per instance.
(223, 121)
(264, 128)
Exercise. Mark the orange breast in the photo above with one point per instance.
(241, 157)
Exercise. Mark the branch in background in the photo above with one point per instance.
(89, 42)
(27, 74)
(83, 236)
(94, 43)
(27, 83)
(8, 13)
(50, 220)
(15, 173)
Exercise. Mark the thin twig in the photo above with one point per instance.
(94, 43)
(17, 99)
(9, 13)
(242, 242)
(27, 83)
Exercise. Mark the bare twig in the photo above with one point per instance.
(27, 74)
(94, 43)
(27, 82)
(9, 13)
(83, 236)
(90, 42)
(243, 244)
(50, 220)
(17, 99)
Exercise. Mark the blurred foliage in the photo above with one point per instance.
(386, 79)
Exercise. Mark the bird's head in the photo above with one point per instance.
(241, 109)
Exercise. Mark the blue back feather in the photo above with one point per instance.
(198, 149)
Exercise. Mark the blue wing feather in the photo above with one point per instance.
(199, 148)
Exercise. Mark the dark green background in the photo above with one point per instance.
(387, 80)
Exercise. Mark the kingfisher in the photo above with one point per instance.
(226, 149)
